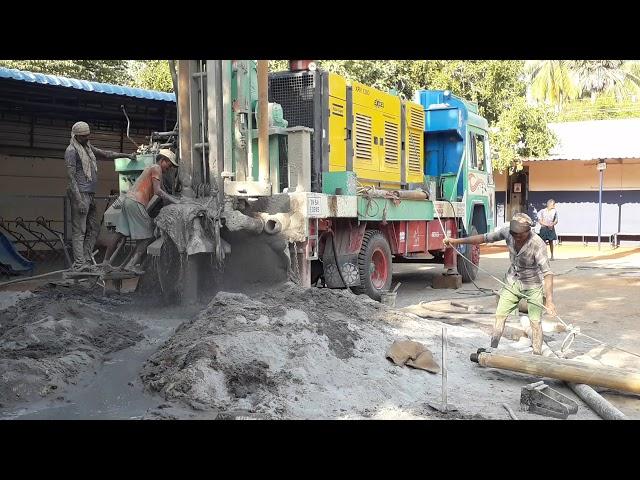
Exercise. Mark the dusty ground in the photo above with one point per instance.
(595, 290)
(287, 354)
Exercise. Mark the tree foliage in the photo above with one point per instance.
(106, 71)
(596, 77)
(521, 132)
(152, 75)
(552, 81)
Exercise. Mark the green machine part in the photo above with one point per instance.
(129, 170)
(449, 189)
(244, 93)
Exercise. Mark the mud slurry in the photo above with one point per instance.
(47, 340)
(284, 353)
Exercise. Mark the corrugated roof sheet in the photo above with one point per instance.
(595, 140)
(106, 88)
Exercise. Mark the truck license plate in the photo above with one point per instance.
(313, 207)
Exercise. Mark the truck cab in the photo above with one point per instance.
(458, 162)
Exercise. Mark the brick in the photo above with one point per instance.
(447, 281)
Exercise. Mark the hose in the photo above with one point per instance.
(26, 279)
(335, 257)
(570, 328)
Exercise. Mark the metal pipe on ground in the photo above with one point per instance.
(588, 395)
(560, 369)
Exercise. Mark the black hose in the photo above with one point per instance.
(335, 257)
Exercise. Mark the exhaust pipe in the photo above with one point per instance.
(236, 221)
(272, 226)
(301, 65)
(276, 223)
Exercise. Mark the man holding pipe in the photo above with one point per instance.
(528, 276)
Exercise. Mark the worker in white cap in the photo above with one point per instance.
(82, 171)
(528, 276)
(134, 220)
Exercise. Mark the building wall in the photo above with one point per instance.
(24, 179)
(574, 185)
(35, 127)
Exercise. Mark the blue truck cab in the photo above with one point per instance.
(457, 158)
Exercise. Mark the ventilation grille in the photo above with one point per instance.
(363, 136)
(295, 93)
(413, 156)
(391, 143)
(416, 119)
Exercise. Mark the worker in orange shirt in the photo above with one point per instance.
(134, 220)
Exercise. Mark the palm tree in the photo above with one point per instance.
(551, 81)
(598, 76)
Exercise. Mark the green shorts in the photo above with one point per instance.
(509, 301)
(134, 221)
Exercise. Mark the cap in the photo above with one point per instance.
(169, 155)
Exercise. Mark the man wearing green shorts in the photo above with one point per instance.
(529, 275)
(134, 221)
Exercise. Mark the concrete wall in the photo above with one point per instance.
(38, 176)
(574, 185)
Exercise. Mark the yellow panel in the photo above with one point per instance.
(337, 86)
(414, 142)
(376, 99)
(365, 154)
(337, 134)
(382, 112)
(337, 123)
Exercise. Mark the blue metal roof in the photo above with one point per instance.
(57, 81)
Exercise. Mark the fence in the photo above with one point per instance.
(39, 226)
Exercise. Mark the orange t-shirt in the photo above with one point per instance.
(142, 189)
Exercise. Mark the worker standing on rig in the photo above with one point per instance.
(528, 276)
(134, 221)
(82, 171)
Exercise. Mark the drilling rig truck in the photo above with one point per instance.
(338, 179)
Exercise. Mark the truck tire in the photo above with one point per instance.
(374, 265)
(469, 271)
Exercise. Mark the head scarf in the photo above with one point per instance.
(85, 152)
(520, 223)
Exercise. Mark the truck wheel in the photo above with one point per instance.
(469, 271)
(374, 265)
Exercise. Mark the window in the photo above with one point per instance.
(477, 153)
(480, 155)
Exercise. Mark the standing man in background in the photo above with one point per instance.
(82, 171)
(548, 218)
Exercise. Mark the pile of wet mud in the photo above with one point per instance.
(287, 352)
(51, 337)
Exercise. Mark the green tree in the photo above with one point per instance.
(106, 71)
(521, 132)
(492, 84)
(278, 65)
(151, 75)
(552, 81)
(599, 76)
